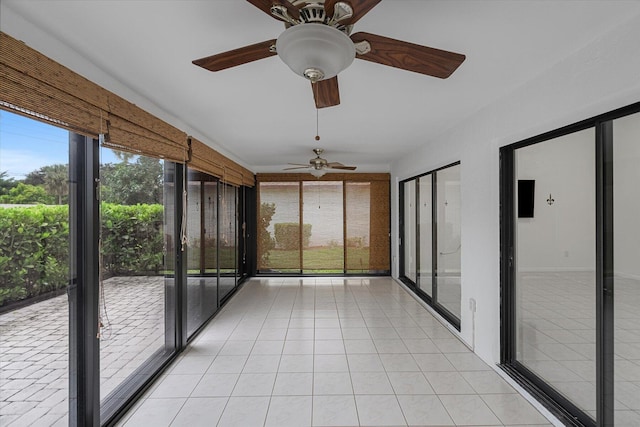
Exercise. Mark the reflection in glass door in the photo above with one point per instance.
(134, 278)
(228, 244)
(425, 213)
(409, 237)
(626, 269)
(448, 239)
(555, 264)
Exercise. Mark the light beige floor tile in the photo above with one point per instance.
(328, 383)
(371, 383)
(487, 382)
(200, 412)
(448, 383)
(215, 385)
(244, 411)
(335, 411)
(513, 409)
(379, 410)
(254, 385)
(409, 383)
(289, 411)
(293, 384)
(469, 410)
(424, 411)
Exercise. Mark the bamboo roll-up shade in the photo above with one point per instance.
(207, 160)
(25, 60)
(126, 136)
(27, 96)
(38, 87)
(379, 226)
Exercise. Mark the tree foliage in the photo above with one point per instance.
(6, 183)
(128, 183)
(56, 181)
(25, 194)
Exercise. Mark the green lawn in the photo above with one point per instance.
(321, 260)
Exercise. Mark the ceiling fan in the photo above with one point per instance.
(320, 166)
(317, 44)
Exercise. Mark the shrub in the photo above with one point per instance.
(288, 235)
(34, 246)
(132, 239)
(34, 251)
(265, 241)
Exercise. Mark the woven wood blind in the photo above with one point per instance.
(36, 86)
(379, 226)
(205, 159)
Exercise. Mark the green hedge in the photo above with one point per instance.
(287, 235)
(34, 246)
(131, 239)
(34, 251)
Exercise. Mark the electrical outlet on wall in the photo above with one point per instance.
(566, 254)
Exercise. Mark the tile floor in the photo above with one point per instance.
(34, 349)
(329, 352)
(557, 338)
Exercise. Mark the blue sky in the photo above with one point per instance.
(27, 145)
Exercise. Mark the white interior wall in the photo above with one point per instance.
(626, 196)
(601, 77)
(561, 235)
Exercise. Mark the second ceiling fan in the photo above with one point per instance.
(317, 44)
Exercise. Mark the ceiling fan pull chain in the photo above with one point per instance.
(317, 131)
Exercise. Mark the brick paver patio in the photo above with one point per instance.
(34, 349)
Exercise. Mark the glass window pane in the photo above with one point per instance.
(555, 265)
(448, 232)
(410, 230)
(228, 245)
(34, 272)
(626, 238)
(133, 276)
(194, 227)
(426, 235)
(202, 273)
(358, 209)
(279, 204)
(322, 229)
(210, 227)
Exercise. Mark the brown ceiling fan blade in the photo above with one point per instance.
(326, 93)
(360, 8)
(237, 57)
(343, 167)
(409, 56)
(265, 6)
(302, 167)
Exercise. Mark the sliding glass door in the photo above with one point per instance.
(334, 225)
(431, 239)
(556, 264)
(626, 269)
(570, 244)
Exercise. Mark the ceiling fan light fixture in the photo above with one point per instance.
(315, 51)
(318, 173)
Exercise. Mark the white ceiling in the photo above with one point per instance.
(263, 115)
